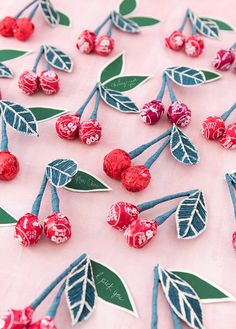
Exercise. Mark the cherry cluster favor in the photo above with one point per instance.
(231, 182)
(21, 27)
(103, 44)
(47, 81)
(191, 218)
(117, 163)
(193, 45)
(109, 89)
(214, 128)
(224, 59)
(21, 120)
(178, 113)
(56, 226)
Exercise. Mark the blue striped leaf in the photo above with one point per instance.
(185, 76)
(182, 298)
(5, 72)
(233, 178)
(205, 26)
(191, 216)
(182, 148)
(117, 100)
(49, 13)
(124, 24)
(57, 58)
(81, 292)
(61, 171)
(19, 117)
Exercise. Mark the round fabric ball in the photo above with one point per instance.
(16, 319)
(104, 45)
(213, 127)
(223, 60)
(116, 162)
(67, 126)
(23, 28)
(151, 112)
(9, 166)
(46, 322)
(121, 214)
(179, 114)
(86, 42)
(194, 46)
(228, 140)
(175, 41)
(6, 26)
(90, 132)
(28, 230)
(28, 82)
(136, 178)
(140, 232)
(57, 228)
(49, 82)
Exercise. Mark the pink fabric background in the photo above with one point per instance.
(25, 272)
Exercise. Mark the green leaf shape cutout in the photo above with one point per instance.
(125, 83)
(127, 6)
(6, 219)
(143, 21)
(112, 69)
(46, 113)
(64, 20)
(8, 54)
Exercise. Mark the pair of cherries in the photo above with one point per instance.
(30, 82)
(19, 28)
(193, 45)
(56, 227)
(88, 42)
(224, 59)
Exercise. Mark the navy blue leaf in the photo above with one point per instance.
(80, 291)
(182, 298)
(19, 117)
(185, 76)
(182, 148)
(61, 171)
(57, 58)
(191, 216)
(50, 14)
(205, 26)
(5, 72)
(124, 24)
(117, 100)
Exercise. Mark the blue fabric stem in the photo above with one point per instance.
(233, 47)
(162, 90)
(47, 65)
(156, 155)
(109, 31)
(186, 18)
(176, 320)
(80, 111)
(4, 141)
(38, 200)
(98, 29)
(171, 91)
(154, 323)
(227, 113)
(194, 30)
(55, 199)
(40, 54)
(150, 204)
(54, 283)
(162, 218)
(33, 12)
(56, 301)
(139, 150)
(94, 114)
(25, 8)
(232, 192)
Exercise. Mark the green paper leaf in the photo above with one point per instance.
(58, 58)
(49, 12)
(185, 76)
(207, 291)
(64, 20)
(8, 54)
(211, 76)
(42, 113)
(144, 21)
(124, 24)
(112, 69)
(6, 219)
(127, 6)
(112, 289)
(125, 83)
(84, 181)
(223, 26)
(206, 27)
(5, 72)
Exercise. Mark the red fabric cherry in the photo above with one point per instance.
(28, 230)
(194, 46)
(116, 162)
(152, 112)
(49, 82)
(23, 28)
(104, 45)
(67, 126)
(140, 232)
(90, 132)
(121, 214)
(9, 166)
(28, 82)
(136, 178)
(213, 127)
(223, 60)
(228, 140)
(6, 26)
(57, 228)
(16, 319)
(175, 41)
(179, 114)
(86, 42)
